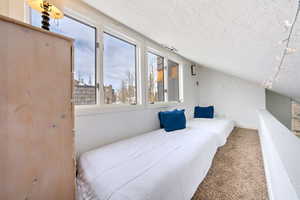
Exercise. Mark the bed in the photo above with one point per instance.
(157, 165)
(220, 126)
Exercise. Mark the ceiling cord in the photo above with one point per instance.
(268, 84)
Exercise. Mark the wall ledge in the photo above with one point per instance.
(281, 163)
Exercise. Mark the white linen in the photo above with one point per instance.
(220, 126)
(154, 166)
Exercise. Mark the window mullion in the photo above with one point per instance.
(100, 51)
(143, 74)
(166, 79)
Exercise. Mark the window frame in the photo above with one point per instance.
(96, 59)
(157, 53)
(180, 79)
(166, 57)
(142, 47)
(125, 38)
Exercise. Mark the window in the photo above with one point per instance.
(155, 91)
(173, 81)
(119, 71)
(84, 58)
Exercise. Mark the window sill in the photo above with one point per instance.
(97, 109)
(103, 109)
(163, 105)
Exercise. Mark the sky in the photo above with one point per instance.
(119, 59)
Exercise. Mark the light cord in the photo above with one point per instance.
(269, 83)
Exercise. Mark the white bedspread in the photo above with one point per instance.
(153, 166)
(222, 127)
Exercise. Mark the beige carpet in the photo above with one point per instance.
(237, 172)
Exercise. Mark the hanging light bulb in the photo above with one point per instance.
(268, 84)
(287, 24)
(263, 84)
(290, 50)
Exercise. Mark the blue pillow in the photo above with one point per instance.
(174, 120)
(204, 112)
(161, 117)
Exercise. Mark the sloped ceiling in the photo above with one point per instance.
(237, 37)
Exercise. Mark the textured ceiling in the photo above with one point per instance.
(237, 37)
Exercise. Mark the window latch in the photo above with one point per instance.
(97, 44)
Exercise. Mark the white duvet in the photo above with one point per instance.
(221, 127)
(153, 166)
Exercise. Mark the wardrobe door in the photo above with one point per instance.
(36, 114)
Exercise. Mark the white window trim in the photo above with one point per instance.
(180, 77)
(164, 104)
(99, 57)
(97, 110)
(142, 48)
(166, 57)
(82, 19)
(27, 13)
(123, 36)
(138, 74)
(158, 53)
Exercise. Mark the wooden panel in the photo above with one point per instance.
(36, 115)
(296, 124)
(296, 110)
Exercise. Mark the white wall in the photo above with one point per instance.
(280, 148)
(232, 97)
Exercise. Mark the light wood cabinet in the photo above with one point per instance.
(296, 118)
(36, 114)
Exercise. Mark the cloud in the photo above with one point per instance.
(119, 56)
(119, 59)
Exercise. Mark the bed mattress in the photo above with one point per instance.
(157, 165)
(221, 127)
